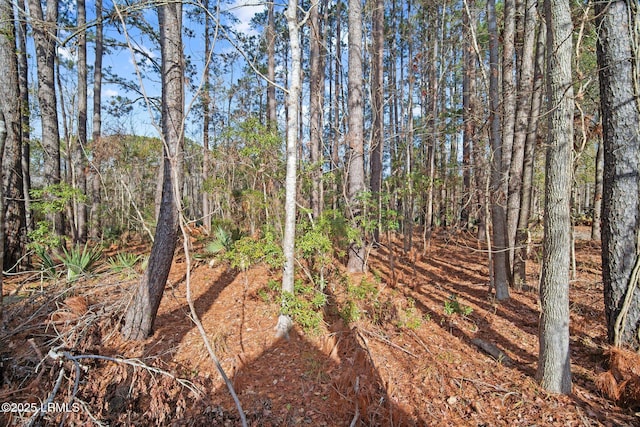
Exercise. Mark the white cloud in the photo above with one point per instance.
(109, 93)
(245, 10)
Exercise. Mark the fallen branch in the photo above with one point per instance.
(492, 350)
(196, 320)
(386, 341)
(55, 355)
(485, 384)
(36, 415)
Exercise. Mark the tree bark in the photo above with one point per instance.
(79, 161)
(523, 117)
(272, 119)
(316, 97)
(522, 234)
(377, 107)
(500, 255)
(597, 194)
(355, 136)
(554, 365)
(44, 29)
(288, 244)
(508, 111)
(23, 79)
(13, 211)
(142, 311)
(94, 213)
(621, 182)
(10, 105)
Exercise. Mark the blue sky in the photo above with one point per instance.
(122, 63)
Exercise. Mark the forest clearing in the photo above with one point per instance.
(408, 358)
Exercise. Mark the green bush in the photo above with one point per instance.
(453, 306)
(124, 262)
(80, 260)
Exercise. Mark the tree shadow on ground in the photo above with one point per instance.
(171, 327)
(331, 381)
(451, 275)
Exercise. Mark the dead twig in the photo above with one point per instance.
(386, 341)
(356, 416)
(417, 338)
(485, 384)
(36, 415)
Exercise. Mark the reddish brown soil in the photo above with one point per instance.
(405, 362)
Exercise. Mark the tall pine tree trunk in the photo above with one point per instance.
(142, 310)
(79, 159)
(44, 34)
(355, 137)
(617, 63)
(316, 97)
(554, 364)
(10, 143)
(288, 244)
(377, 106)
(500, 257)
(94, 213)
(522, 234)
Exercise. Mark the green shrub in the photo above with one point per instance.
(453, 306)
(80, 261)
(124, 262)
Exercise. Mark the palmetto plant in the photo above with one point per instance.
(223, 241)
(80, 260)
(123, 262)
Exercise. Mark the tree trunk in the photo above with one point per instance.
(13, 211)
(23, 78)
(620, 214)
(523, 117)
(206, 120)
(288, 244)
(316, 105)
(79, 161)
(508, 113)
(142, 311)
(468, 110)
(522, 234)
(355, 137)
(498, 217)
(377, 107)
(44, 35)
(94, 214)
(272, 118)
(554, 364)
(597, 194)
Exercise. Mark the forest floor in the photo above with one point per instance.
(412, 355)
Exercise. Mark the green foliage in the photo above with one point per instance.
(46, 201)
(224, 241)
(80, 261)
(46, 263)
(409, 316)
(366, 290)
(350, 312)
(54, 198)
(124, 262)
(42, 238)
(304, 309)
(452, 306)
(249, 251)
